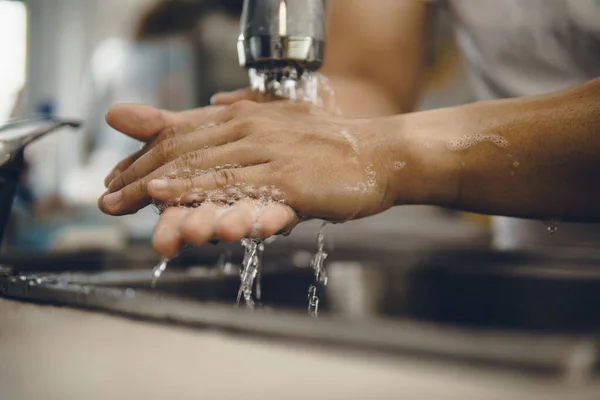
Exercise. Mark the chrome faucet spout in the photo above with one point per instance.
(279, 36)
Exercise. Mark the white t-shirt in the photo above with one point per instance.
(517, 48)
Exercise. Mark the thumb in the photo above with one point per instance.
(139, 121)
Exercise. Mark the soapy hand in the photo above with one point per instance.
(320, 165)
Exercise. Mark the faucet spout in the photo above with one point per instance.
(279, 36)
(15, 135)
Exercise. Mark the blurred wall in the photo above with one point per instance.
(62, 34)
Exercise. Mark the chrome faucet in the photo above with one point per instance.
(15, 135)
(282, 37)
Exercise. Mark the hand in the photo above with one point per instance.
(323, 166)
(151, 125)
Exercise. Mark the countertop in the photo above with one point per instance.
(59, 353)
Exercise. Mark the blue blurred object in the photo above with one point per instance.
(46, 109)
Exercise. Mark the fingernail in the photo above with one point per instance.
(213, 98)
(112, 200)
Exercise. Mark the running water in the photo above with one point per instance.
(158, 270)
(307, 87)
(250, 268)
(313, 88)
(318, 266)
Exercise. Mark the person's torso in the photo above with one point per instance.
(527, 47)
(515, 48)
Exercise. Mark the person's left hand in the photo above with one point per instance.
(320, 165)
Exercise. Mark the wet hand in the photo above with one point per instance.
(322, 166)
(150, 125)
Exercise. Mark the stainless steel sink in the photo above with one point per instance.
(526, 311)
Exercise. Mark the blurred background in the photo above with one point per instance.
(74, 59)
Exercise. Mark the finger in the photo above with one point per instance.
(139, 121)
(181, 123)
(144, 122)
(171, 149)
(123, 165)
(251, 218)
(275, 218)
(116, 204)
(134, 196)
(238, 222)
(198, 227)
(166, 239)
(228, 98)
(167, 190)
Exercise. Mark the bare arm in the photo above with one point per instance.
(531, 157)
(536, 158)
(374, 55)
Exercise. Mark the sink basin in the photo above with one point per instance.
(482, 288)
(525, 310)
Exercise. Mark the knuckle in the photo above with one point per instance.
(139, 188)
(250, 125)
(191, 159)
(303, 107)
(242, 105)
(165, 151)
(166, 133)
(174, 131)
(224, 178)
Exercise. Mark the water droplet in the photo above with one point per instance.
(399, 165)
(551, 226)
(516, 164)
(158, 270)
(465, 142)
(351, 139)
(302, 259)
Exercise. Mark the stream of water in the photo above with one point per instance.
(307, 87)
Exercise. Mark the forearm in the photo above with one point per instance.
(361, 98)
(536, 157)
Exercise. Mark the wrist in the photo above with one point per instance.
(420, 168)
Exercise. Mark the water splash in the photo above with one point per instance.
(318, 265)
(551, 226)
(287, 83)
(313, 301)
(250, 268)
(308, 87)
(158, 270)
(318, 261)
